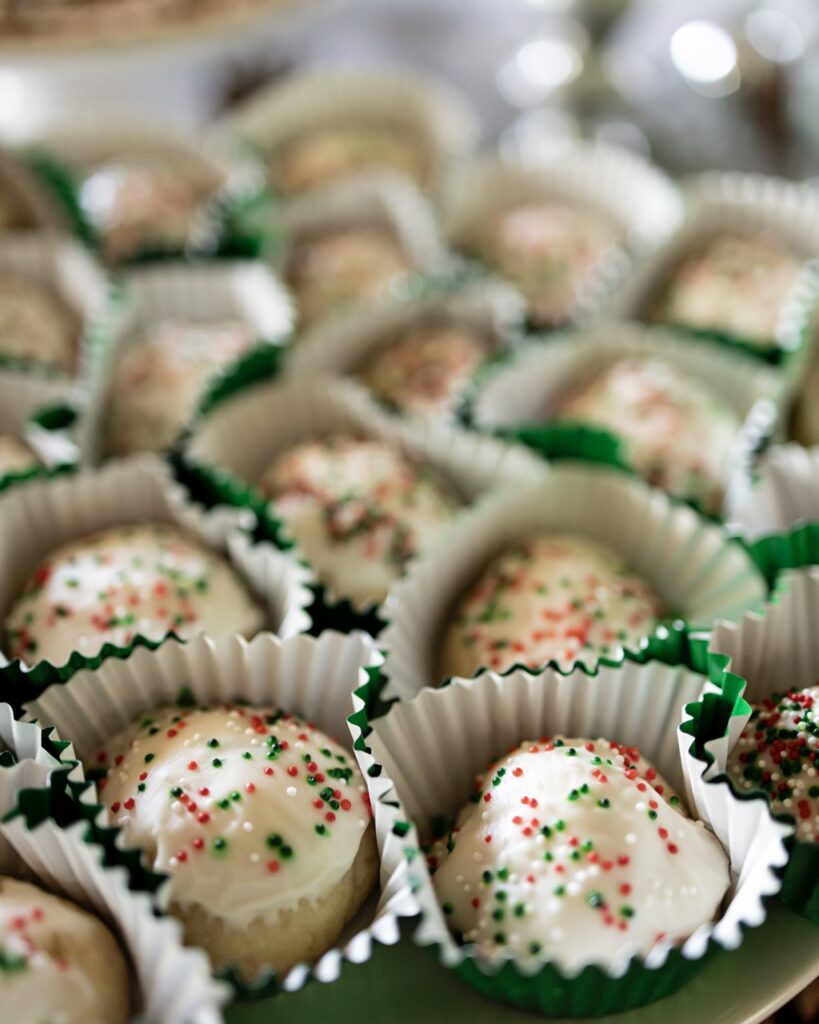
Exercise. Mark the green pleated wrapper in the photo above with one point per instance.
(593, 992)
(778, 552)
(709, 720)
(56, 418)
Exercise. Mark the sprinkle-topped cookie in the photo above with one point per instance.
(332, 152)
(556, 597)
(358, 509)
(130, 581)
(15, 456)
(736, 285)
(778, 752)
(250, 810)
(426, 371)
(343, 266)
(34, 325)
(576, 851)
(58, 964)
(547, 250)
(677, 433)
(163, 376)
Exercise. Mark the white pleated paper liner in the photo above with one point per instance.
(309, 677)
(698, 574)
(243, 291)
(240, 439)
(760, 655)
(426, 108)
(738, 203)
(22, 742)
(36, 519)
(431, 749)
(343, 345)
(34, 208)
(784, 493)
(643, 204)
(526, 391)
(171, 984)
(70, 151)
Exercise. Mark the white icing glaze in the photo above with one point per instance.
(587, 860)
(243, 836)
(15, 456)
(33, 324)
(163, 376)
(546, 249)
(677, 432)
(557, 596)
(736, 284)
(133, 580)
(358, 510)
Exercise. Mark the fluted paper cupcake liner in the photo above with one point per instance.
(430, 109)
(638, 199)
(22, 742)
(230, 450)
(237, 220)
(37, 208)
(78, 861)
(342, 345)
(313, 678)
(727, 203)
(40, 517)
(783, 495)
(522, 398)
(432, 748)
(761, 655)
(696, 571)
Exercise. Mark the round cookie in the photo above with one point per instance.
(778, 752)
(546, 249)
(162, 377)
(15, 456)
(34, 325)
(358, 509)
(262, 821)
(58, 963)
(578, 851)
(343, 266)
(556, 597)
(736, 285)
(427, 370)
(677, 433)
(326, 154)
(124, 582)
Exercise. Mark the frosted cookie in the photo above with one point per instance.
(676, 432)
(778, 752)
(15, 456)
(58, 963)
(358, 509)
(556, 597)
(143, 202)
(34, 325)
(332, 152)
(576, 850)
(163, 376)
(547, 250)
(736, 285)
(340, 267)
(125, 582)
(261, 820)
(427, 370)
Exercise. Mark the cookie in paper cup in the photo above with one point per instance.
(429, 471)
(163, 565)
(358, 243)
(329, 125)
(311, 679)
(71, 877)
(178, 333)
(735, 221)
(759, 730)
(784, 493)
(572, 221)
(143, 191)
(561, 887)
(24, 203)
(674, 567)
(700, 413)
(419, 358)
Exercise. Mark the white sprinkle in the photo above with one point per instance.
(291, 791)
